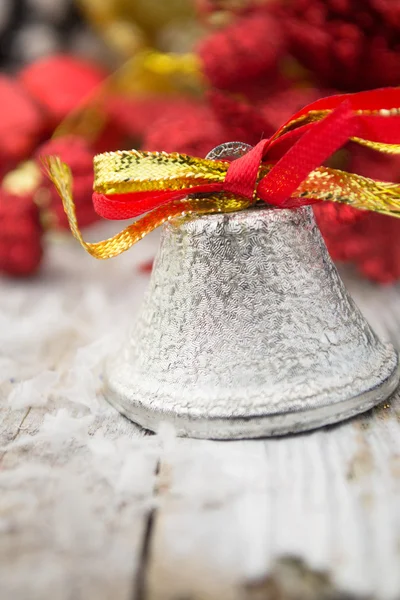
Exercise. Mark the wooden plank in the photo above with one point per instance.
(76, 478)
(74, 511)
(233, 514)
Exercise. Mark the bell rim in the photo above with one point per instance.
(231, 427)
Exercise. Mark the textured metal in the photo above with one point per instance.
(229, 150)
(246, 331)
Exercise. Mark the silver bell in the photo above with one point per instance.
(247, 330)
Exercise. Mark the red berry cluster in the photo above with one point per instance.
(20, 235)
(346, 44)
(32, 105)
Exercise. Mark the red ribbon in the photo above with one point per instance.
(293, 154)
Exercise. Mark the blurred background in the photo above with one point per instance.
(80, 77)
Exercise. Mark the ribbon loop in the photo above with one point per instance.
(242, 174)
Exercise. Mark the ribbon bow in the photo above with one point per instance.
(284, 171)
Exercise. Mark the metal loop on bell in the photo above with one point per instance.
(230, 150)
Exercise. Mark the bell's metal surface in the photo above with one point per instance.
(247, 330)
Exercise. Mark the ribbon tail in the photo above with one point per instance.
(312, 149)
(377, 114)
(382, 147)
(332, 185)
(60, 174)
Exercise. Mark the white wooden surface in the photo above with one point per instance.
(92, 508)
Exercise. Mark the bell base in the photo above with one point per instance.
(151, 415)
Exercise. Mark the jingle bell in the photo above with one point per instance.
(247, 330)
